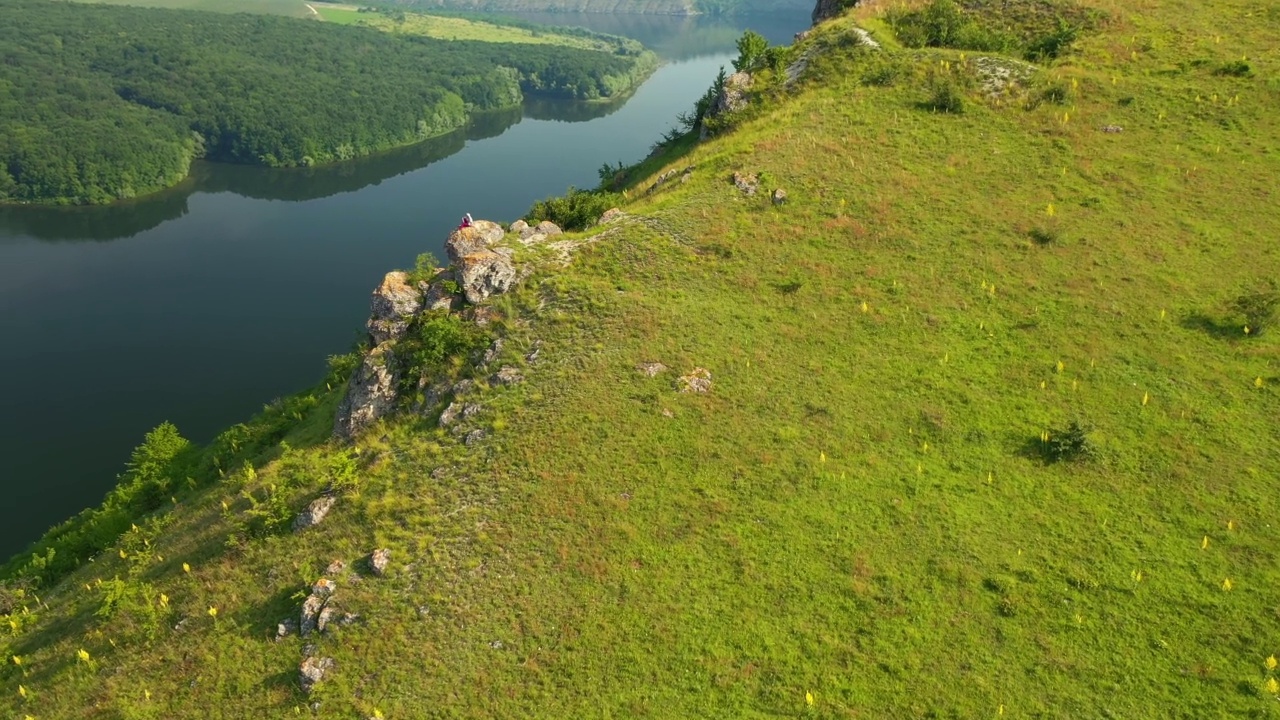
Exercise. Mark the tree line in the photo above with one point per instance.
(99, 103)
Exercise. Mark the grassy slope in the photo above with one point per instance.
(454, 28)
(857, 510)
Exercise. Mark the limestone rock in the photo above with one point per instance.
(309, 620)
(391, 306)
(611, 215)
(484, 274)
(324, 587)
(506, 376)
(468, 240)
(475, 436)
(315, 605)
(325, 618)
(731, 98)
(801, 37)
(697, 381)
(379, 560)
(313, 670)
(371, 393)
(450, 414)
(314, 513)
(337, 567)
(1111, 129)
(779, 197)
(747, 183)
(651, 369)
(285, 628)
(548, 228)
(518, 226)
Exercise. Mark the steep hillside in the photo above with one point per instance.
(965, 423)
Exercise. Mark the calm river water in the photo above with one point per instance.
(201, 304)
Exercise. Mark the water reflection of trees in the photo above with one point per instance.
(123, 220)
(570, 111)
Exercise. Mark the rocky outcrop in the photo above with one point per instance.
(391, 306)
(731, 98)
(746, 182)
(484, 274)
(371, 392)
(314, 513)
(481, 266)
(480, 236)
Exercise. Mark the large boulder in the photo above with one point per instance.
(392, 306)
(484, 274)
(468, 240)
(371, 393)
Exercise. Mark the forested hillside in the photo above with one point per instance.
(656, 7)
(99, 103)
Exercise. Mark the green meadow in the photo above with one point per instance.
(986, 435)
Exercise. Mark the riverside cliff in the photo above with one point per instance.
(975, 419)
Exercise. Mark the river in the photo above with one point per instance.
(201, 304)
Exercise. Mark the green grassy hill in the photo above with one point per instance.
(985, 435)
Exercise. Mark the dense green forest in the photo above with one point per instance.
(100, 103)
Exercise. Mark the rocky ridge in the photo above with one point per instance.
(482, 264)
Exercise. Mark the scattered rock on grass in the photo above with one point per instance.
(748, 184)
(314, 513)
(506, 376)
(325, 617)
(312, 671)
(311, 608)
(285, 628)
(651, 369)
(611, 215)
(379, 560)
(1111, 129)
(494, 351)
(697, 381)
(779, 197)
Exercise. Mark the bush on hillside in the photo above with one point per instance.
(153, 470)
(945, 97)
(1071, 443)
(575, 210)
(751, 50)
(1039, 31)
(1258, 307)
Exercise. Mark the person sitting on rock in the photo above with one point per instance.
(466, 222)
